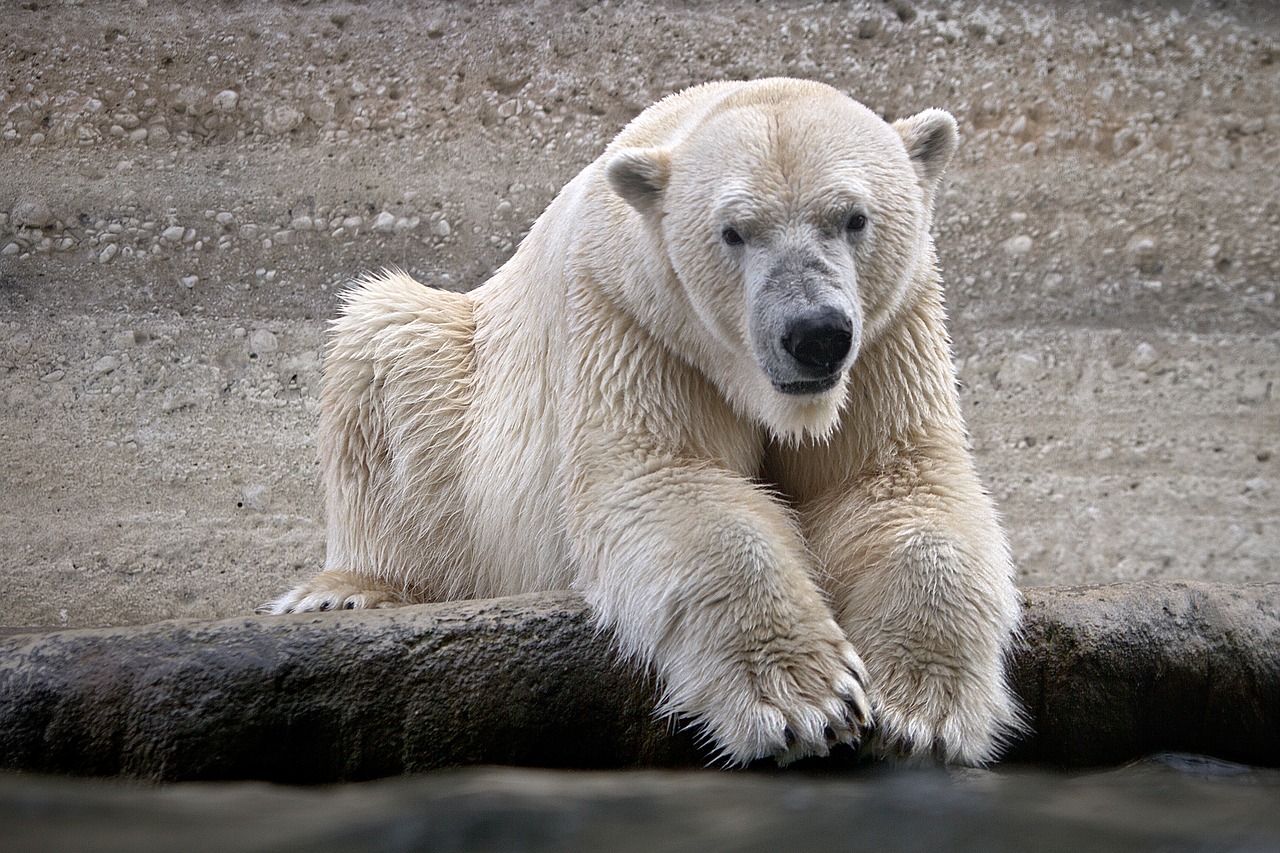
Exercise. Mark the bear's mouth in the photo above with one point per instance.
(804, 387)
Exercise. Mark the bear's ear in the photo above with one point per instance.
(639, 176)
(930, 138)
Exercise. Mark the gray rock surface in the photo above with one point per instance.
(330, 697)
(1117, 671)
(183, 193)
(1174, 803)
(1108, 674)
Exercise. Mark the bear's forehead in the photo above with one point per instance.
(796, 138)
(791, 154)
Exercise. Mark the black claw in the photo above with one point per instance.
(830, 734)
(325, 605)
(350, 605)
(789, 736)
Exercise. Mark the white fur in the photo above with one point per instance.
(600, 415)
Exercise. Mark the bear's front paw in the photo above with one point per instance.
(942, 720)
(837, 692)
(333, 591)
(799, 698)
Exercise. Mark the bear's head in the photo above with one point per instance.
(796, 222)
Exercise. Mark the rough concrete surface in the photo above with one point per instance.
(184, 189)
(1108, 675)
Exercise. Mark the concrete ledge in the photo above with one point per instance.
(1107, 673)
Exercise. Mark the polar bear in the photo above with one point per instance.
(713, 391)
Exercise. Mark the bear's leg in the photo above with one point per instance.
(332, 590)
(923, 584)
(702, 575)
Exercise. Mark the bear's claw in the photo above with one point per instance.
(841, 719)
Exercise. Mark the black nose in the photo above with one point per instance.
(819, 341)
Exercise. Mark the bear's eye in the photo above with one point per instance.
(731, 237)
(855, 223)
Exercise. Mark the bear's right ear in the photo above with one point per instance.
(639, 176)
(930, 138)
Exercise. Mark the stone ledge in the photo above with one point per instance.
(1107, 674)
(1111, 673)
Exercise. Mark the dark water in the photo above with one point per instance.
(1170, 802)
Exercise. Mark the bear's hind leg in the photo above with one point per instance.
(334, 591)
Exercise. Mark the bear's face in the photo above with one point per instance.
(795, 226)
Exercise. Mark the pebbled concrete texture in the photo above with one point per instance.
(182, 194)
(1107, 674)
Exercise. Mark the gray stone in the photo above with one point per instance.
(1107, 674)
(281, 119)
(1113, 672)
(328, 697)
(226, 100)
(32, 212)
(1017, 246)
(263, 342)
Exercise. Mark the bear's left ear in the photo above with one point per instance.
(639, 176)
(930, 138)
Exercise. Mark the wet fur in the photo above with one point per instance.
(800, 570)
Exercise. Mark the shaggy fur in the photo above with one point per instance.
(618, 410)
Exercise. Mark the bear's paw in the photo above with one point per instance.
(805, 699)
(333, 591)
(944, 721)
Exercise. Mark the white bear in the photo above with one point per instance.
(713, 391)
